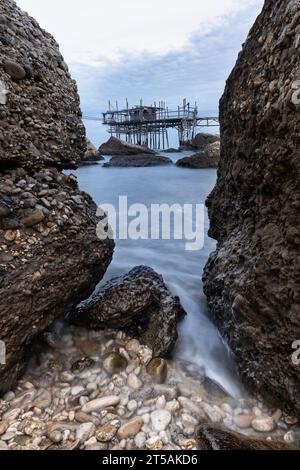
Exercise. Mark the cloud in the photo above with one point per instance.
(83, 29)
(198, 71)
(159, 50)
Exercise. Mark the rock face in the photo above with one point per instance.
(41, 120)
(252, 280)
(50, 256)
(212, 437)
(209, 158)
(139, 302)
(141, 160)
(116, 146)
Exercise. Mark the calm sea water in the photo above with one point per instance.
(199, 340)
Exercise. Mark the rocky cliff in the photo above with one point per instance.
(50, 256)
(41, 121)
(252, 281)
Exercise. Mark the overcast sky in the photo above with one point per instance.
(150, 49)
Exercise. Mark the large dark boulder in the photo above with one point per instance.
(213, 437)
(40, 122)
(141, 160)
(139, 302)
(209, 158)
(252, 279)
(116, 146)
(50, 256)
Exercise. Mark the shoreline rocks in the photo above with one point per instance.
(53, 408)
(139, 302)
(252, 279)
(139, 160)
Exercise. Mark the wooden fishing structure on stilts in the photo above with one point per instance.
(149, 125)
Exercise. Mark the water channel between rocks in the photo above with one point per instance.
(50, 405)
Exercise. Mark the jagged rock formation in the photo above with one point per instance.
(140, 160)
(209, 158)
(252, 281)
(119, 147)
(139, 302)
(213, 437)
(50, 256)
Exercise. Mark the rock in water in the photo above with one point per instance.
(252, 279)
(202, 140)
(50, 256)
(213, 437)
(116, 146)
(140, 160)
(140, 302)
(209, 158)
(114, 363)
(158, 369)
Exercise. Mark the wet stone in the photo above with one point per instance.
(158, 369)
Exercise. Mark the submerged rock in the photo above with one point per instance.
(119, 147)
(140, 160)
(252, 279)
(209, 158)
(114, 363)
(139, 302)
(212, 437)
(158, 369)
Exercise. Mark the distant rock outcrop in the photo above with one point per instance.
(118, 147)
(200, 141)
(141, 160)
(252, 280)
(139, 302)
(209, 158)
(50, 256)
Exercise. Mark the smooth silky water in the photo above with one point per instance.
(199, 340)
